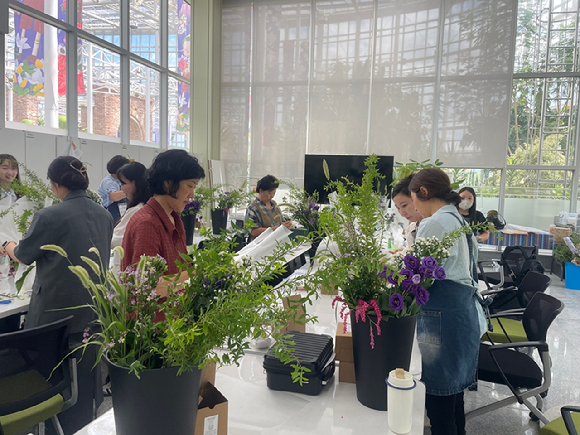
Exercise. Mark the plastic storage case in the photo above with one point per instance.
(315, 352)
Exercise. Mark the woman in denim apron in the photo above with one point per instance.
(448, 330)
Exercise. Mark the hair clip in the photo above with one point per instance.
(82, 170)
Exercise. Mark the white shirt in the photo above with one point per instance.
(119, 233)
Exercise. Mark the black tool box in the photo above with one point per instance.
(315, 352)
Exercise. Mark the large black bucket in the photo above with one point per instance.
(189, 225)
(372, 366)
(158, 402)
(219, 220)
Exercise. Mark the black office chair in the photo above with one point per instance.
(510, 267)
(504, 364)
(32, 389)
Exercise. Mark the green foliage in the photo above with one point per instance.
(562, 253)
(224, 302)
(225, 197)
(94, 196)
(403, 170)
(203, 197)
(35, 190)
(303, 207)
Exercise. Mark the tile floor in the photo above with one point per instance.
(513, 420)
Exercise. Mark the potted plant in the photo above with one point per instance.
(571, 260)
(223, 201)
(380, 292)
(304, 209)
(203, 196)
(154, 345)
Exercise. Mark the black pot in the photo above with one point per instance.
(158, 402)
(219, 220)
(372, 366)
(189, 224)
(314, 248)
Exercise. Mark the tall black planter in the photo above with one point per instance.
(219, 220)
(189, 224)
(372, 366)
(159, 402)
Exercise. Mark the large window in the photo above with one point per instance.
(153, 56)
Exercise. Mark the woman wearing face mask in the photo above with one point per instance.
(8, 173)
(468, 209)
(404, 204)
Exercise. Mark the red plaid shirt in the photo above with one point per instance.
(150, 232)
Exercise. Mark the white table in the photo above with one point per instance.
(255, 409)
(18, 304)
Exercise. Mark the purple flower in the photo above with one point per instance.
(429, 262)
(408, 273)
(396, 301)
(383, 274)
(429, 273)
(422, 271)
(439, 273)
(311, 205)
(406, 284)
(391, 279)
(421, 296)
(414, 289)
(311, 221)
(416, 278)
(412, 262)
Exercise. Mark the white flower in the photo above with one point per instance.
(21, 43)
(36, 77)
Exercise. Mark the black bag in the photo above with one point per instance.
(315, 352)
(493, 217)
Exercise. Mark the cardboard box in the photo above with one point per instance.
(212, 412)
(343, 344)
(346, 372)
(292, 302)
(329, 290)
(208, 375)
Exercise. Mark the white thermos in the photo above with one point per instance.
(400, 390)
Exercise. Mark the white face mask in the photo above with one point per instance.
(465, 204)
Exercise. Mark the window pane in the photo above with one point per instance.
(551, 142)
(343, 35)
(54, 8)
(406, 43)
(236, 44)
(100, 103)
(35, 73)
(179, 114)
(144, 108)
(533, 198)
(180, 37)
(102, 19)
(144, 19)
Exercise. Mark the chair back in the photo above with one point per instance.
(532, 283)
(539, 315)
(39, 350)
(514, 257)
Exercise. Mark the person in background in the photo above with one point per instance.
(8, 173)
(264, 211)
(157, 228)
(134, 184)
(468, 209)
(404, 204)
(110, 188)
(448, 330)
(76, 224)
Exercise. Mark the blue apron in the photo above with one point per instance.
(448, 335)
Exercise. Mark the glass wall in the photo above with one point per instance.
(37, 57)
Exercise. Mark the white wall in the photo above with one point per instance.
(38, 150)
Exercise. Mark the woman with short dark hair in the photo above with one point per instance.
(157, 228)
(263, 211)
(134, 183)
(448, 330)
(76, 224)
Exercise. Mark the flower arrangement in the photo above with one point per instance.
(303, 208)
(225, 200)
(572, 245)
(224, 302)
(373, 280)
(94, 196)
(203, 196)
